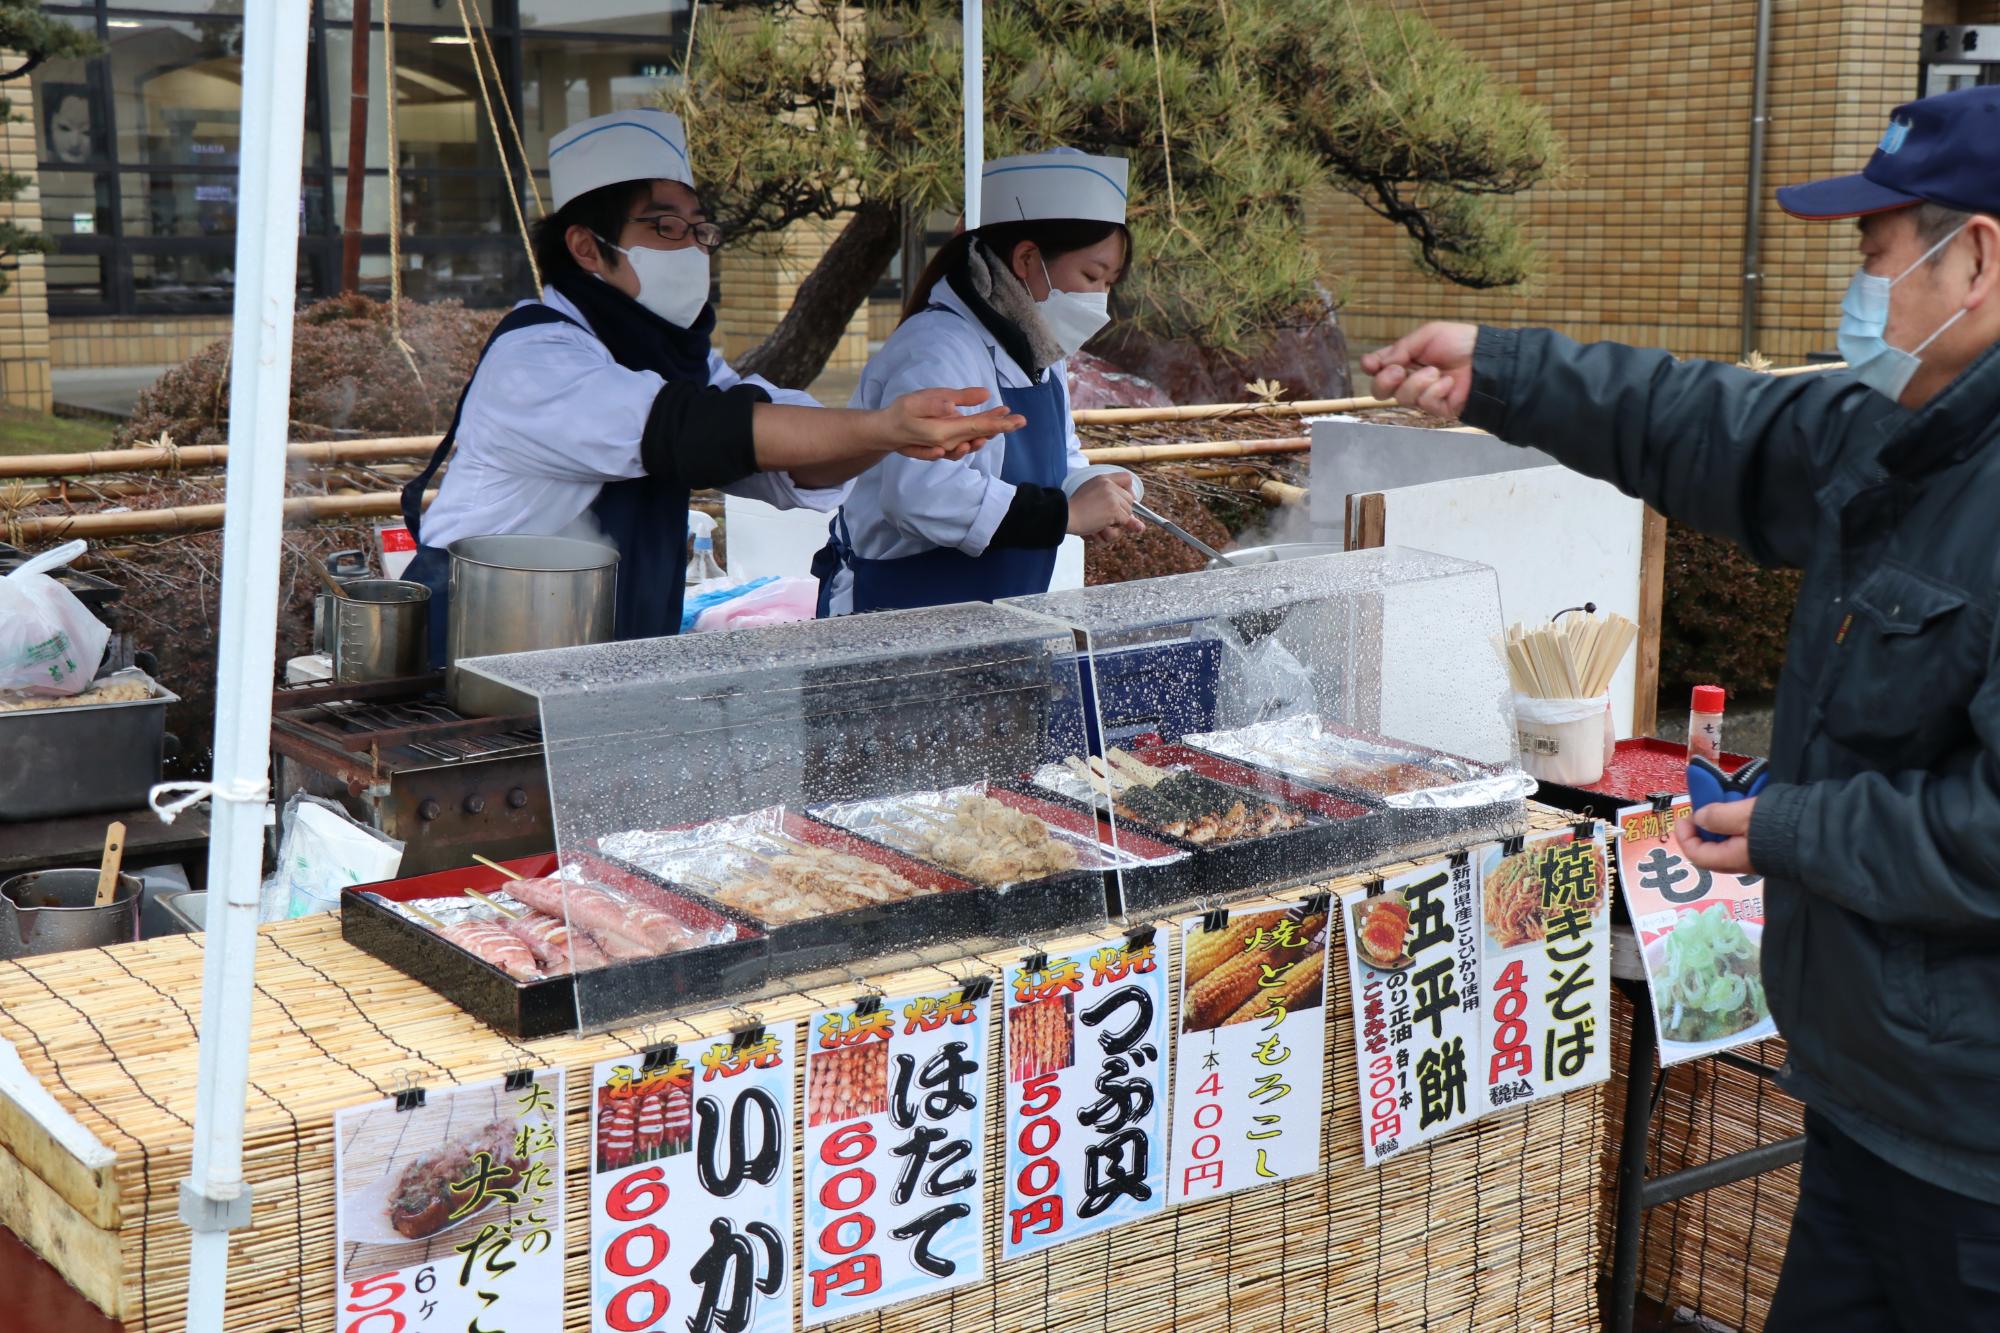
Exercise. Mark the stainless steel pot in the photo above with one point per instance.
(514, 594)
(1264, 555)
(381, 630)
(51, 911)
(344, 566)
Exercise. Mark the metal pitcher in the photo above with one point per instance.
(516, 593)
(345, 566)
(52, 911)
(380, 630)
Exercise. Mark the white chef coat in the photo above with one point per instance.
(551, 417)
(903, 506)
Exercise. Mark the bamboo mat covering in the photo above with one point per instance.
(1495, 1227)
(1716, 1253)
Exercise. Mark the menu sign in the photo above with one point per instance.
(1086, 1093)
(691, 1188)
(1414, 977)
(895, 1104)
(1701, 935)
(1249, 1078)
(450, 1210)
(1547, 966)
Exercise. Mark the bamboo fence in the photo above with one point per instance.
(1494, 1227)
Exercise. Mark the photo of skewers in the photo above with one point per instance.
(1176, 801)
(1224, 976)
(644, 1118)
(1040, 1038)
(850, 1082)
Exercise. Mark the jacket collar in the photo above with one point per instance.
(1009, 370)
(1949, 427)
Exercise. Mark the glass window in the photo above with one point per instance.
(649, 18)
(565, 80)
(435, 206)
(436, 13)
(183, 204)
(72, 121)
(177, 91)
(203, 281)
(78, 281)
(206, 8)
(440, 122)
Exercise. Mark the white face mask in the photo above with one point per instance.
(1073, 318)
(673, 284)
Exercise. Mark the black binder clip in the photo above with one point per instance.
(974, 989)
(866, 1005)
(519, 1080)
(1661, 801)
(1583, 830)
(658, 1057)
(1461, 858)
(1138, 939)
(746, 1037)
(1375, 887)
(1515, 845)
(409, 1099)
(1035, 962)
(1316, 905)
(1215, 919)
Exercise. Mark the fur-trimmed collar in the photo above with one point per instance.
(1003, 304)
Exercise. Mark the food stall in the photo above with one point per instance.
(920, 870)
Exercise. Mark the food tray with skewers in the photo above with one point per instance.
(504, 942)
(1044, 862)
(1243, 830)
(1428, 798)
(824, 896)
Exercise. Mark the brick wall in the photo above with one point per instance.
(759, 282)
(24, 306)
(1644, 242)
(134, 340)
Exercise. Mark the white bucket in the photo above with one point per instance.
(1566, 741)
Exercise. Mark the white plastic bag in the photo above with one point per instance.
(50, 644)
(1564, 740)
(322, 852)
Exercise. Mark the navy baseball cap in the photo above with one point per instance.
(1937, 150)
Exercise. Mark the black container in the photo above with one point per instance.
(956, 911)
(637, 988)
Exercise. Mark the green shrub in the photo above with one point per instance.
(1723, 619)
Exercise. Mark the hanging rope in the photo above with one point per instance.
(507, 167)
(1166, 139)
(492, 61)
(395, 198)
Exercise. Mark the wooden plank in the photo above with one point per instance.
(92, 1190)
(89, 1256)
(1366, 521)
(1652, 595)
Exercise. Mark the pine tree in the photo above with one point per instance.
(28, 37)
(804, 109)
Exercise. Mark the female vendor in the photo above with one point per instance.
(595, 410)
(1002, 307)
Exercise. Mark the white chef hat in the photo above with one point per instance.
(1059, 183)
(623, 146)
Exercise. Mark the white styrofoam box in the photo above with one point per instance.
(1354, 457)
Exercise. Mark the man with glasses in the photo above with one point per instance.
(595, 410)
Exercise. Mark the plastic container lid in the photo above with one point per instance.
(1709, 698)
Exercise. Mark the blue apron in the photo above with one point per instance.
(644, 518)
(1037, 454)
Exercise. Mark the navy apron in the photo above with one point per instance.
(1037, 454)
(644, 518)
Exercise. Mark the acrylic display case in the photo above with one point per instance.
(1288, 721)
(851, 794)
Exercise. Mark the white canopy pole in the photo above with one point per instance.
(975, 106)
(214, 1199)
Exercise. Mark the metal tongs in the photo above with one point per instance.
(1174, 529)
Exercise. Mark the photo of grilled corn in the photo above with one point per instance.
(1257, 965)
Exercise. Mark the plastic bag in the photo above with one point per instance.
(50, 644)
(1564, 740)
(712, 593)
(321, 852)
(770, 602)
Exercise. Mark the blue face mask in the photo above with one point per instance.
(1864, 315)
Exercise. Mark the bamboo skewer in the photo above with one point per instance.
(1572, 660)
(510, 913)
(495, 865)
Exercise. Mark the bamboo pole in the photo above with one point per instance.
(1282, 493)
(326, 453)
(1124, 416)
(1155, 453)
(197, 518)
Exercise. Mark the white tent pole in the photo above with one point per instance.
(214, 1199)
(975, 106)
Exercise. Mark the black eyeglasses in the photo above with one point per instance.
(674, 227)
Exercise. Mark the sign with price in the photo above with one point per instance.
(1249, 1068)
(1086, 1093)
(691, 1188)
(450, 1212)
(895, 1104)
